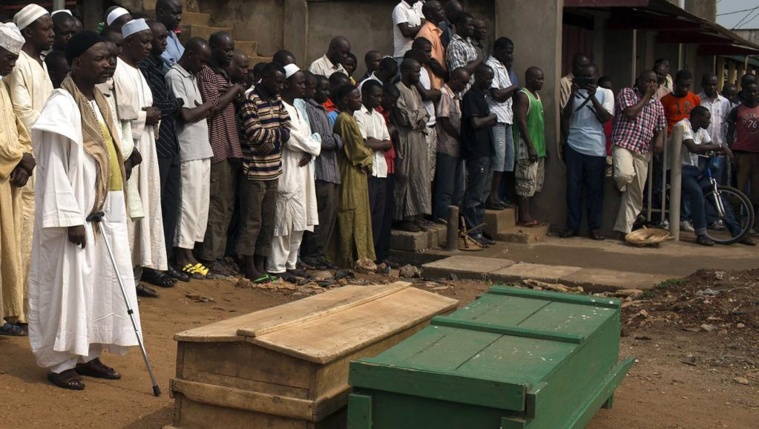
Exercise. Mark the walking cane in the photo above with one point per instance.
(98, 217)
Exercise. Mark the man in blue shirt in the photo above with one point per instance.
(586, 112)
(169, 13)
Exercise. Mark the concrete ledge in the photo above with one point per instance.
(601, 280)
(498, 221)
(544, 273)
(418, 241)
(522, 235)
(465, 267)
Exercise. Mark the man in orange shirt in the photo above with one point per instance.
(433, 13)
(679, 103)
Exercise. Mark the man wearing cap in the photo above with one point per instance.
(134, 101)
(16, 165)
(116, 17)
(296, 208)
(76, 309)
(169, 13)
(29, 86)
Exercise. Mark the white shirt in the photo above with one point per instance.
(372, 125)
(719, 108)
(424, 78)
(700, 137)
(586, 132)
(501, 80)
(324, 67)
(412, 15)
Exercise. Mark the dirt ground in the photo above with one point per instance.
(686, 376)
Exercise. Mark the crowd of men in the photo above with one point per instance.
(188, 161)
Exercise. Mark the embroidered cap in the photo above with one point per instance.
(30, 13)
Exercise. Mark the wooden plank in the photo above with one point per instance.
(562, 318)
(556, 297)
(601, 395)
(197, 415)
(334, 335)
(290, 314)
(359, 412)
(440, 386)
(507, 330)
(237, 382)
(245, 400)
(503, 310)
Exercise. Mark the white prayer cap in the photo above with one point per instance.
(290, 70)
(115, 14)
(55, 12)
(11, 38)
(30, 13)
(134, 26)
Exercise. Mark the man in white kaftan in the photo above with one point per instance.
(296, 210)
(29, 87)
(76, 307)
(134, 98)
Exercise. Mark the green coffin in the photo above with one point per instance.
(514, 358)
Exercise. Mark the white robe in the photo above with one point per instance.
(296, 196)
(147, 238)
(74, 298)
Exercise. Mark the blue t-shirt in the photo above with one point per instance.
(586, 132)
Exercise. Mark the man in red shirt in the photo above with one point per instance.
(679, 103)
(743, 139)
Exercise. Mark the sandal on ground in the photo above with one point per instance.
(145, 291)
(68, 379)
(327, 264)
(704, 240)
(262, 280)
(748, 241)
(287, 277)
(97, 369)
(12, 330)
(597, 235)
(192, 273)
(201, 269)
(569, 233)
(530, 224)
(182, 277)
(298, 273)
(157, 278)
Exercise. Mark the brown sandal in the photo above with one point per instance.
(96, 369)
(68, 379)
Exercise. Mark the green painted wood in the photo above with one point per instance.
(602, 394)
(359, 411)
(440, 386)
(506, 330)
(556, 297)
(501, 310)
(513, 423)
(569, 319)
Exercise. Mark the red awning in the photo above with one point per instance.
(674, 25)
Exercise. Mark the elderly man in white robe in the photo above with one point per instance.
(29, 86)
(296, 210)
(76, 308)
(135, 105)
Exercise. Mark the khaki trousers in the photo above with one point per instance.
(630, 173)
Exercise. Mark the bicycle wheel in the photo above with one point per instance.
(737, 218)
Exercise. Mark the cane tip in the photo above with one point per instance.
(156, 391)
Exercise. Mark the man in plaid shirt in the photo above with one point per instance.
(639, 125)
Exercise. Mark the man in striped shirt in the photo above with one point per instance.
(265, 125)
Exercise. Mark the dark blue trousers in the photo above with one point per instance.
(584, 173)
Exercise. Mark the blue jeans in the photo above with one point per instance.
(694, 191)
(449, 185)
(477, 190)
(503, 147)
(584, 172)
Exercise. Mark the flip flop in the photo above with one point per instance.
(189, 269)
(12, 330)
(531, 224)
(201, 269)
(262, 280)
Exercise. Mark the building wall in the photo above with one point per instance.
(260, 20)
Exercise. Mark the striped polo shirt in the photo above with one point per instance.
(264, 120)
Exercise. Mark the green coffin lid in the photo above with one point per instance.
(493, 352)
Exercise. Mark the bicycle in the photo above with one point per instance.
(726, 204)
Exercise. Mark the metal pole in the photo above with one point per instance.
(676, 184)
(663, 212)
(452, 242)
(59, 4)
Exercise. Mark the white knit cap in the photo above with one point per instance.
(11, 38)
(290, 70)
(30, 13)
(115, 14)
(55, 12)
(134, 26)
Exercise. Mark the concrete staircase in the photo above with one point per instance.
(499, 224)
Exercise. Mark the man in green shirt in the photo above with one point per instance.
(529, 133)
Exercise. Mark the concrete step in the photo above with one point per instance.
(523, 235)
(507, 271)
(417, 241)
(498, 221)
(247, 46)
(196, 18)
